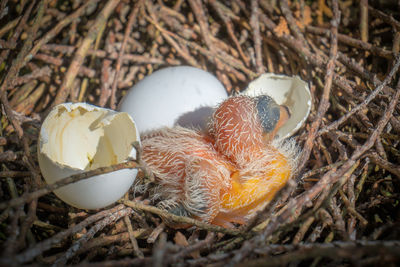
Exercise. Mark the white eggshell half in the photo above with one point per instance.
(285, 90)
(171, 96)
(79, 137)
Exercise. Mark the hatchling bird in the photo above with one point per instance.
(225, 175)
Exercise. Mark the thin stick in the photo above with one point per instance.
(292, 23)
(181, 51)
(324, 102)
(386, 18)
(89, 235)
(362, 105)
(11, 24)
(41, 247)
(393, 168)
(14, 174)
(15, 67)
(195, 247)
(128, 30)
(364, 20)
(134, 243)
(27, 197)
(180, 219)
(348, 250)
(60, 25)
(353, 42)
(229, 27)
(352, 210)
(65, 88)
(198, 11)
(255, 24)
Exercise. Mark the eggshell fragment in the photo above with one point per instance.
(79, 137)
(285, 90)
(171, 96)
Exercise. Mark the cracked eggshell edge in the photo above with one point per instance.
(97, 191)
(292, 92)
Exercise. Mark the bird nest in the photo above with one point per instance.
(342, 205)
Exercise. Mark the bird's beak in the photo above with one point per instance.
(283, 118)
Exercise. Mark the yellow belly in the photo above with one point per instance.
(245, 197)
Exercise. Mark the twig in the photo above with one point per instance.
(9, 26)
(364, 20)
(195, 247)
(7, 45)
(393, 168)
(60, 25)
(367, 100)
(229, 27)
(65, 88)
(180, 219)
(386, 18)
(293, 26)
(346, 201)
(348, 250)
(128, 30)
(255, 24)
(8, 155)
(230, 61)
(181, 51)
(68, 50)
(159, 251)
(108, 240)
(379, 127)
(13, 229)
(19, 62)
(303, 230)
(27, 197)
(353, 42)
(39, 248)
(97, 227)
(26, 224)
(198, 11)
(313, 58)
(14, 69)
(124, 262)
(324, 102)
(134, 243)
(45, 71)
(155, 233)
(14, 174)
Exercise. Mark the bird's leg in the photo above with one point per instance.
(203, 184)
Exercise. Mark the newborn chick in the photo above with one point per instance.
(224, 176)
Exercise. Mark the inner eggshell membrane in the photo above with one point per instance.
(88, 139)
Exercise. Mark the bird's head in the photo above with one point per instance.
(242, 126)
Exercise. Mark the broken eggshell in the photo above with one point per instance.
(79, 137)
(180, 95)
(292, 92)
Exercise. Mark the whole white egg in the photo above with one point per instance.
(183, 95)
